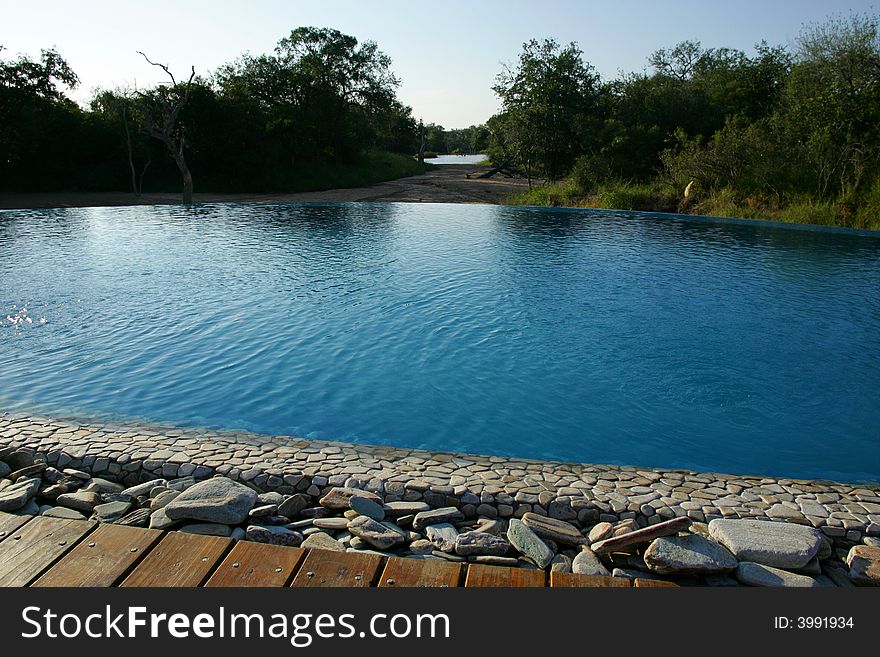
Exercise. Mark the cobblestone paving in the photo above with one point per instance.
(484, 486)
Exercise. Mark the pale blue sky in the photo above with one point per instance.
(446, 53)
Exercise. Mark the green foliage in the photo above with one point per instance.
(317, 111)
(793, 136)
(548, 103)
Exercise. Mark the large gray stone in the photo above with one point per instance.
(4, 469)
(436, 516)
(274, 535)
(442, 536)
(777, 544)
(292, 505)
(367, 507)
(688, 555)
(756, 574)
(61, 512)
(15, 496)
(480, 544)
(864, 565)
(220, 500)
(158, 520)
(375, 533)
(322, 541)
(587, 563)
(553, 529)
(111, 511)
(83, 501)
(528, 543)
(397, 509)
(338, 498)
(137, 518)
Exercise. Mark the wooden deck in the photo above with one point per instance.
(38, 551)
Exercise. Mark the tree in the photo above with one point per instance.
(833, 101)
(38, 123)
(159, 112)
(549, 103)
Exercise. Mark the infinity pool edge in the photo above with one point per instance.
(478, 485)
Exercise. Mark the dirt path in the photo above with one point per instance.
(451, 183)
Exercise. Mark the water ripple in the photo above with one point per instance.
(576, 335)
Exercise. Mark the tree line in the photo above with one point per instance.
(322, 106)
(784, 127)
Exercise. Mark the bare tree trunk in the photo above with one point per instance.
(166, 133)
(134, 187)
(422, 142)
(185, 174)
(140, 188)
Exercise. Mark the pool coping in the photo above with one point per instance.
(488, 486)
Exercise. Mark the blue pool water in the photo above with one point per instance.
(588, 336)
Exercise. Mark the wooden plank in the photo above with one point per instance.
(103, 559)
(325, 568)
(402, 573)
(653, 584)
(257, 564)
(29, 551)
(9, 523)
(571, 580)
(179, 559)
(481, 575)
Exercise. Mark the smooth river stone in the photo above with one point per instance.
(777, 544)
(587, 563)
(688, 555)
(528, 543)
(14, 497)
(397, 509)
(756, 574)
(62, 512)
(375, 533)
(273, 535)
(480, 544)
(220, 500)
(111, 511)
(83, 501)
(864, 565)
(4, 469)
(338, 498)
(322, 541)
(443, 536)
(330, 523)
(367, 507)
(554, 530)
(436, 517)
(600, 532)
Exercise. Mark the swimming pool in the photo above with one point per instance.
(593, 336)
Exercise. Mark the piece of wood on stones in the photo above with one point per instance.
(29, 551)
(328, 569)
(403, 573)
(480, 575)
(9, 523)
(667, 528)
(257, 564)
(105, 558)
(573, 580)
(180, 559)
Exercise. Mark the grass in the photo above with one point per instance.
(863, 213)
